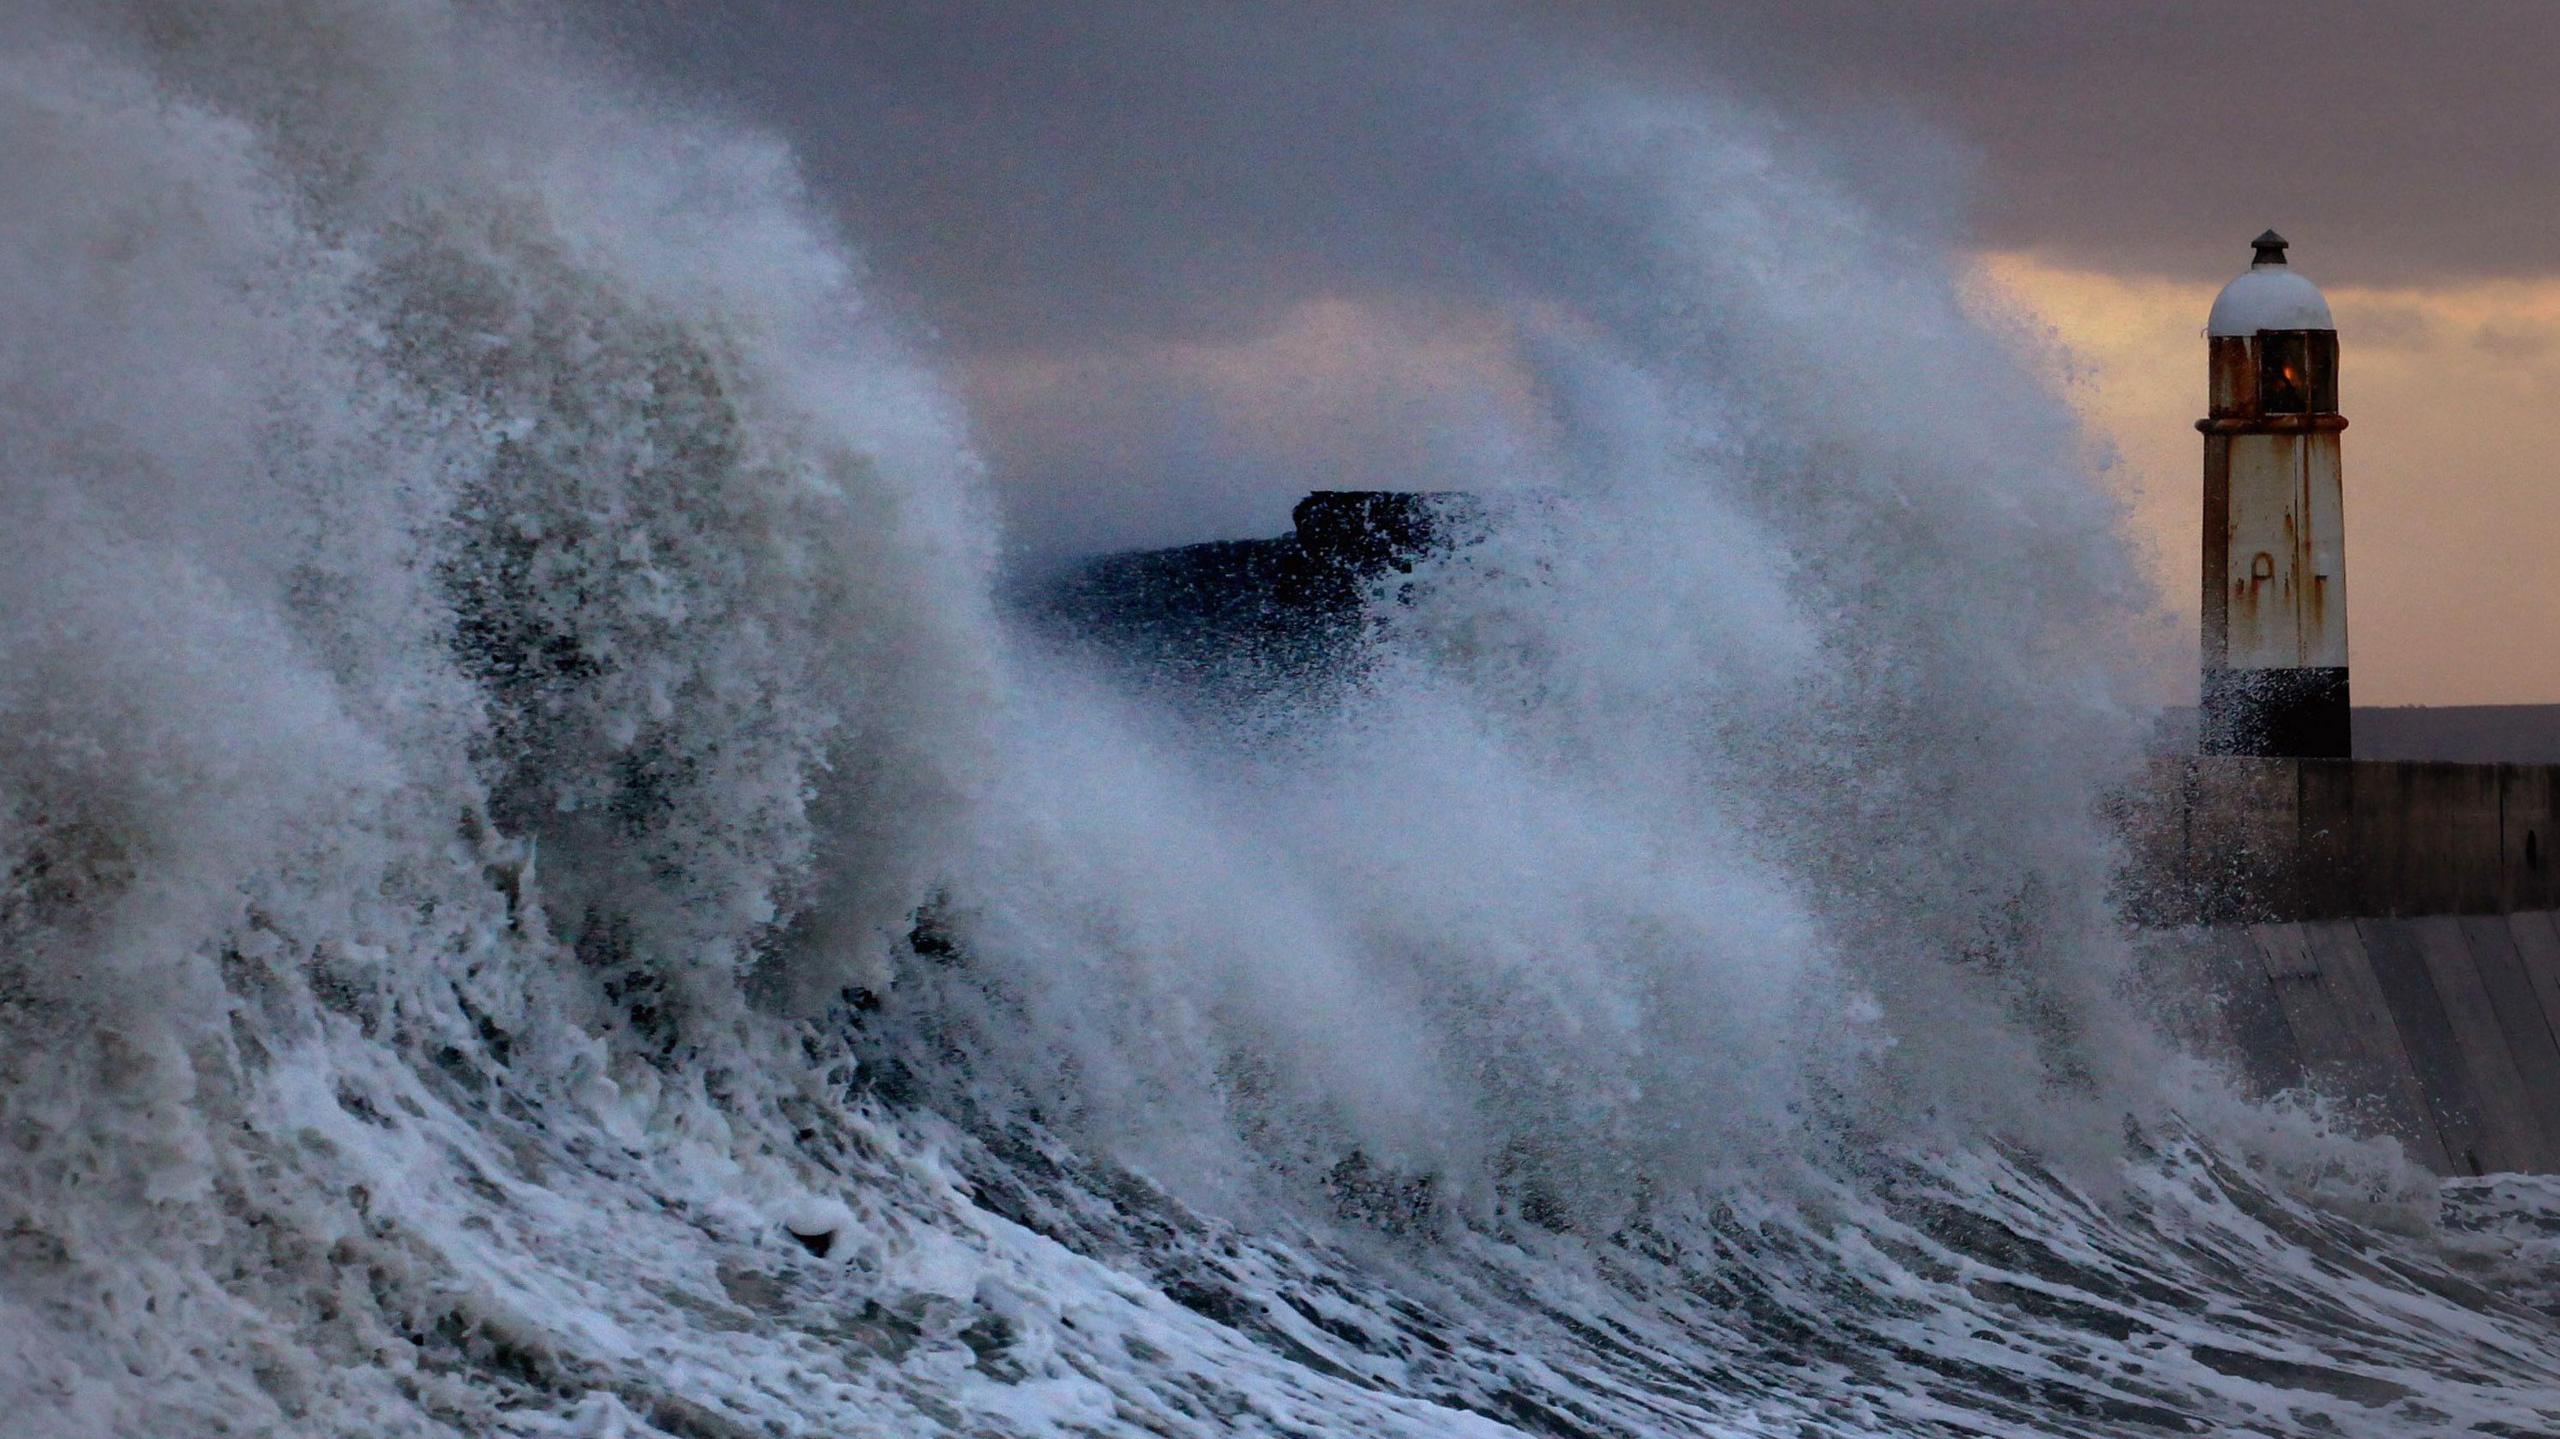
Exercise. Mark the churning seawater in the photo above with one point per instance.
(517, 796)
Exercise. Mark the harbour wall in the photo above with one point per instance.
(2384, 934)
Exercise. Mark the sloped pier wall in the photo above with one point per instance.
(2439, 1031)
(2385, 934)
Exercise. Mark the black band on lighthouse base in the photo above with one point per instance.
(2291, 714)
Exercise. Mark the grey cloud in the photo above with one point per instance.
(2387, 325)
(1042, 175)
(1102, 180)
(1037, 171)
(2512, 339)
(1093, 185)
(2396, 141)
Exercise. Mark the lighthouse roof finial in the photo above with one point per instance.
(2270, 249)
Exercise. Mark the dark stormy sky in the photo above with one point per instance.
(1075, 164)
(1186, 260)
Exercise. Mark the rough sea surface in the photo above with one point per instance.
(545, 896)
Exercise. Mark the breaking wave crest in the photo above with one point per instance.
(544, 895)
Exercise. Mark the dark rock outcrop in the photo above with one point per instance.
(1257, 620)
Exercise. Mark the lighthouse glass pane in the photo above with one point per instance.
(2321, 348)
(2284, 371)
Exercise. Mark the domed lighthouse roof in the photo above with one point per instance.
(2269, 295)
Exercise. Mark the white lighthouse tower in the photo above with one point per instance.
(2275, 583)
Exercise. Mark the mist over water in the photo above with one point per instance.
(518, 796)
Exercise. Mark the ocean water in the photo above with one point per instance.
(545, 894)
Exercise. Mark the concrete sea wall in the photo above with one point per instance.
(2385, 934)
(2222, 839)
(2442, 1031)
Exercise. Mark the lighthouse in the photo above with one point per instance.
(2275, 585)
